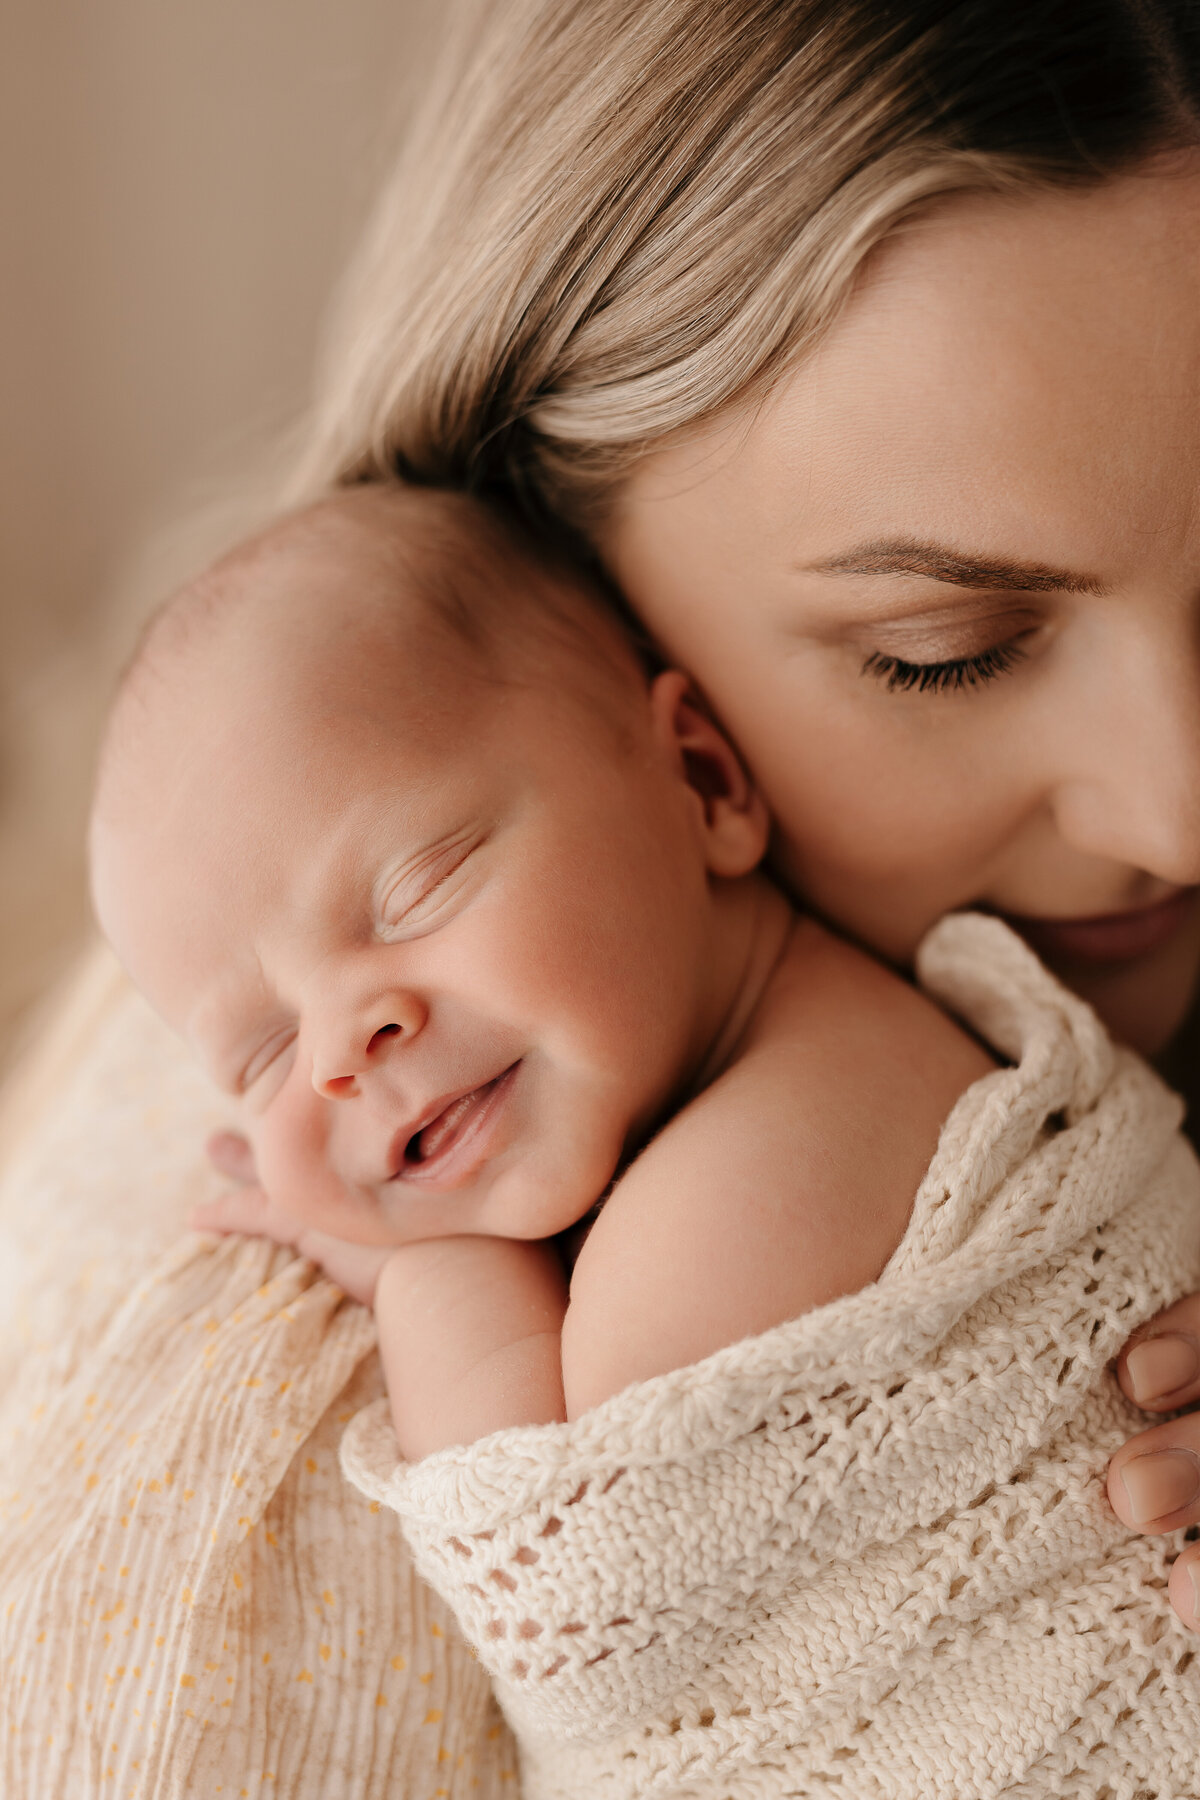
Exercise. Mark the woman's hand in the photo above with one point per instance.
(354, 1267)
(1154, 1479)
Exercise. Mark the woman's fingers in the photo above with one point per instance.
(1184, 1585)
(230, 1154)
(1159, 1368)
(1154, 1485)
(1154, 1479)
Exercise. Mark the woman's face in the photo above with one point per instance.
(943, 587)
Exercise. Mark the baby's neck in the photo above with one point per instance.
(751, 928)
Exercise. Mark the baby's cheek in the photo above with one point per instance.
(291, 1152)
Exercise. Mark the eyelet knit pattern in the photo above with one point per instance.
(868, 1553)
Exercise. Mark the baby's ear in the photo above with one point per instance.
(729, 810)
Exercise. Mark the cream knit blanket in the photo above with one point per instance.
(869, 1552)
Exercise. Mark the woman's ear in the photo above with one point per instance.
(729, 811)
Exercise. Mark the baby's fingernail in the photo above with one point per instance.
(1160, 1366)
(1160, 1483)
(1193, 1570)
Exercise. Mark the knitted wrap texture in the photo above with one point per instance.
(867, 1553)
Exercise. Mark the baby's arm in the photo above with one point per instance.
(470, 1335)
(785, 1184)
(469, 1327)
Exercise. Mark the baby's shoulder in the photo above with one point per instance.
(858, 1024)
(857, 1068)
(790, 1179)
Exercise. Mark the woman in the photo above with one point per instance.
(861, 346)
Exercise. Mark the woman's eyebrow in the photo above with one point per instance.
(909, 556)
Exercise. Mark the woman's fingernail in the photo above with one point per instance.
(1160, 1483)
(1193, 1570)
(1160, 1366)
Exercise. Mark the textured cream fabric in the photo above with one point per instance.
(193, 1602)
(867, 1553)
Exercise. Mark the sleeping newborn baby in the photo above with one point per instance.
(465, 909)
(751, 1415)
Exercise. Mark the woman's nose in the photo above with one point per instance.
(353, 1044)
(1135, 794)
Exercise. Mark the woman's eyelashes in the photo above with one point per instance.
(951, 675)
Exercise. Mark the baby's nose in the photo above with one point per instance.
(353, 1050)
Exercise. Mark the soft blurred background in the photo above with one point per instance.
(180, 184)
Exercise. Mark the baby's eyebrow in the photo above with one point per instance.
(939, 562)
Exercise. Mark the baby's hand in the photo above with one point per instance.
(248, 1210)
(230, 1154)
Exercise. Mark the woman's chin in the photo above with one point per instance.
(1144, 1002)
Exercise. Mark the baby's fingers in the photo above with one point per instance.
(248, 1211)
(230, 1154)
(354, 1267)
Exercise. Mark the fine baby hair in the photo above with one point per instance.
(423, 558)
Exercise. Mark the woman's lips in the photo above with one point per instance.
(452, 1145)
(1108, 938)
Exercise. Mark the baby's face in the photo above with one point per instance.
(448, 940)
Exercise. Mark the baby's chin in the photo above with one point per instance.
(520, 1199)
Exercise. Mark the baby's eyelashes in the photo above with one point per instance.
(264, 1057)
(419, 900)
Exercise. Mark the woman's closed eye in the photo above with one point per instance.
(951, 675)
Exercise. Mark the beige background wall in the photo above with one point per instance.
(179, 182)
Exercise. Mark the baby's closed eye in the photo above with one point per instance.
(418, 899)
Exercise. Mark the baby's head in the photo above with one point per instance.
(393, 826)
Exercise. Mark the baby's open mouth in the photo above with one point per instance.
(453, 1142)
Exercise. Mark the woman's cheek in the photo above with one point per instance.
(883, 835)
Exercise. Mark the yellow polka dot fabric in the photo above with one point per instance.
(193, 1602)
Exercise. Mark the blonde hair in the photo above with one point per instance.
(617, 217)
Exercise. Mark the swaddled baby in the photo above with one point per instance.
(464, 905)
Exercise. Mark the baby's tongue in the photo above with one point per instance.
(440, 1130)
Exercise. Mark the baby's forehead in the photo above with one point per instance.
(330, 583)
(376, 611)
